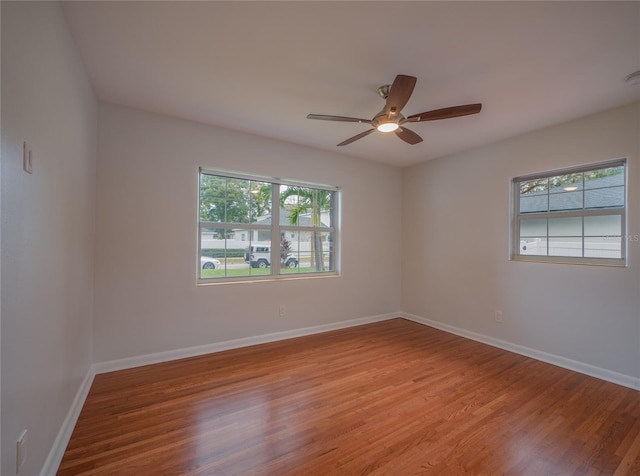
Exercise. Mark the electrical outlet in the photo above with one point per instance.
(283, 310)
(27, 158)
(21, 451)
(498, 316)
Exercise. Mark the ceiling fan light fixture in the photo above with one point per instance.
(387, 127)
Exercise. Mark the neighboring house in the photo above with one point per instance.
(602, 239)
(603, 192)
(291, 235)
(240, 238)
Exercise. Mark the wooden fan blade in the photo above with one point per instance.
(356, 137)
(408, 135)
(399, 93)
(445, 113)
(338, 118)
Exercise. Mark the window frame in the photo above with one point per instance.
(276, 228)
(517, 217)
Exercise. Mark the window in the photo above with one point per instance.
(574, 215)
(258, 227)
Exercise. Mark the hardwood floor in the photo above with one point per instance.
(393, 397)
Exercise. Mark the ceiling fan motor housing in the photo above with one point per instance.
(383, 118)
(383, 91)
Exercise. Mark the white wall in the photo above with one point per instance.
(146, 297)
(448, 246)
(47, 228)
(456, 267)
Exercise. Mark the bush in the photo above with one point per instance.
(218, 253)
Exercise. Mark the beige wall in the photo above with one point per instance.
(47, 228)
(147, 299)
(456, 267)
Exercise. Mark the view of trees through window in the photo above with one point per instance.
(542, 184)
(239, 227)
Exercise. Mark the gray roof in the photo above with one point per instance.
(604, 192)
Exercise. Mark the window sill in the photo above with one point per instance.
(262, 279)
(608, 262)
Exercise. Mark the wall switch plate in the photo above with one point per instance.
(21, 451)
(283, 310)
(498, 316)
(27, 158)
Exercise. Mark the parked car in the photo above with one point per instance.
(260, 257)
(290, 262)
(209, 263)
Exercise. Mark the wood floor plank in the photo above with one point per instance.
(390, 398)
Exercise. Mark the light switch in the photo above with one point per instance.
(27, 158)
(21, 451)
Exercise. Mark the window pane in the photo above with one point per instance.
(609, 177)
(567, 246)
(313, 252)
(290, 248)
(565, 226)
(289, 255)
(260, 208)
(238, 201)
(304, 253)
(604, 197)
(533, 228)
(534, 203)
(257, 255)
(606, 225)
(565, 201)
(531, 187)
(330, 214)
(212, 198)
(222, 252)
(328, 249)
(294, 204)
(603, 247)
(212, 252)
(224, 200)
(303, 206)
(565, 183)
(533, 246)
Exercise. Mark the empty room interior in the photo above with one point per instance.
(283, 238)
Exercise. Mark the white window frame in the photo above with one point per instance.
(275, 228)
(517, 217)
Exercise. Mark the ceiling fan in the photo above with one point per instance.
(389, 118)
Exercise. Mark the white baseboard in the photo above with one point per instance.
(584, 368)
(56, 453)
(131, 362)
(581, 367)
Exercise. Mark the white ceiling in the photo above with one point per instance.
(261, 67)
